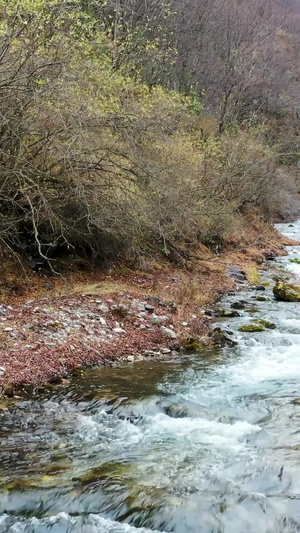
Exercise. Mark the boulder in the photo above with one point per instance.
(286, 292)
(220, 337)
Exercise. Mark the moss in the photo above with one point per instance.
(297, 261)
(266, 324)
(286, 292)
(251, 328)
(102, 472)
(253, 310)
(192, 345)
(8, 390)
(24, 484)
(261, 298)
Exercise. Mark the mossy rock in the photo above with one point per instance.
(220, 338)
(102, 473)
(260, 298)
(192, 345)
(266, 324)
(251, 328)
(286, 292)
(297, 261)
(296, 401)
(26, 484)
(252, 310)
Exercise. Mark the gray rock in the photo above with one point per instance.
(169, 333)
(130, 358)
(104, 308)
(2, 371)
(149, 308)
(229, 313)
(241, 304)
(155, 319)
(220, 337)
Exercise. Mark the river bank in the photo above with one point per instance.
(181, 444)
(122, 316)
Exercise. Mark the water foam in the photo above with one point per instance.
(202, 430)
(65, 523)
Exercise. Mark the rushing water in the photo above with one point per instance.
(204, 443)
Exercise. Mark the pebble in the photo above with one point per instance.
(118, 330)
(185, 324)
(104, 308)
(2, 371)
(155, 319)
(130, 358)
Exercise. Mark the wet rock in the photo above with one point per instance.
(260, 298)
(132, 418)
(241, 304)
(169, 333)
(258, 288)
(219, 337)
(176, 411)
(228, 313)
(101, 473)
(236, 273)
(286, 292)
(266, 324)
(251, 328)
(296, 401)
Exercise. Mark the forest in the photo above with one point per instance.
(132, 127)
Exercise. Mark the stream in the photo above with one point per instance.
(197, 443)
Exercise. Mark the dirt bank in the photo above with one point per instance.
(54, 326)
